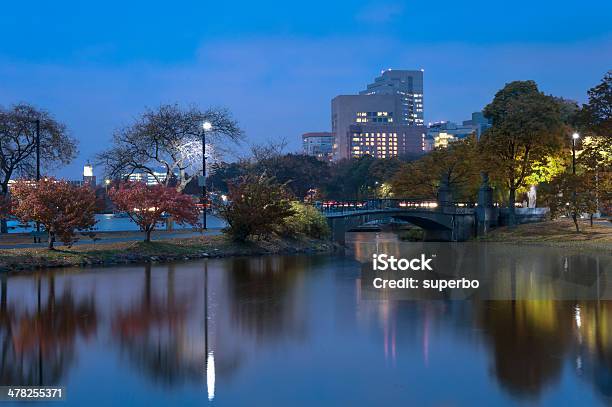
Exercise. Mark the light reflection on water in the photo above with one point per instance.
(292, 330)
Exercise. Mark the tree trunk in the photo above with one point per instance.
(3, 196)
(591, 218)
(51, 240)
(575, 219)
(147, 235)
(511, 208)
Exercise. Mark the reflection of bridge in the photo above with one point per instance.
(448, 222)
(441, 219)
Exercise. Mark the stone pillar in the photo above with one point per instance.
(445, 194)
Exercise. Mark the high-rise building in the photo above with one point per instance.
(407, 86)
(318, 144)
(395, 98)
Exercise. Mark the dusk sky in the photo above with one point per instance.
(277, 65)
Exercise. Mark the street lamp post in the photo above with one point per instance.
(206, 126)
(575, 137)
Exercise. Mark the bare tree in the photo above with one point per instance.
(18, 144)
(168, 141)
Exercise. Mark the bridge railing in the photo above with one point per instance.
(330, 207)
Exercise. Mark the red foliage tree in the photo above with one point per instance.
(5, 206)
(61, 208)
(146, 204)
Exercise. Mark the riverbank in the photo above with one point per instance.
(557, 233)
(14, 260)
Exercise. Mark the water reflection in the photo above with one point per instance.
(152, 332)
(299, 330)
(38, 338)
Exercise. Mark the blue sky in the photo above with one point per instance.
(276, 65)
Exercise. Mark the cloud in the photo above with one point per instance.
(379, 13)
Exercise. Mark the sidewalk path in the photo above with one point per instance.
(107, 237)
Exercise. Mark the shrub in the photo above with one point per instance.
(257, 207)
(306, 220)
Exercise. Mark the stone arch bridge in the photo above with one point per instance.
(454, 222)
(442, 219)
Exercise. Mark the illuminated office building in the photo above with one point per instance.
(385, 141)
(393, 99)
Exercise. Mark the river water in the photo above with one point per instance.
(298, 330)
(112, 223)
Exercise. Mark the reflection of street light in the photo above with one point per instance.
(206, 126)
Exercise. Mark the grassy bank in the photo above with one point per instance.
(558, 233)
(12, 260)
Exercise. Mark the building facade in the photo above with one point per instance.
(386, 141)
(150, 179)
(395, 98)
(88, 175)
(407, 87)
(440, 134)
(318, 144)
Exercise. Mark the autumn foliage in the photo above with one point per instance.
(61, 208)
(5, 206)
(257, 206)
(146, 205)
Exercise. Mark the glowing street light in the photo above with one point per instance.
(575, 137)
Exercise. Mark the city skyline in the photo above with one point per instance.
(96, 81)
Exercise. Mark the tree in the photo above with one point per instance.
(300, 173)
(595, 164)
(359, 178)
(147, 204)
(223, 173)
(595, 123)
(571, 195)
(597, 114)
(257, 206)
(526, 127)
(167, 144)
(61, 208)
(18, 144)
(456, 165)
(306, 220)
